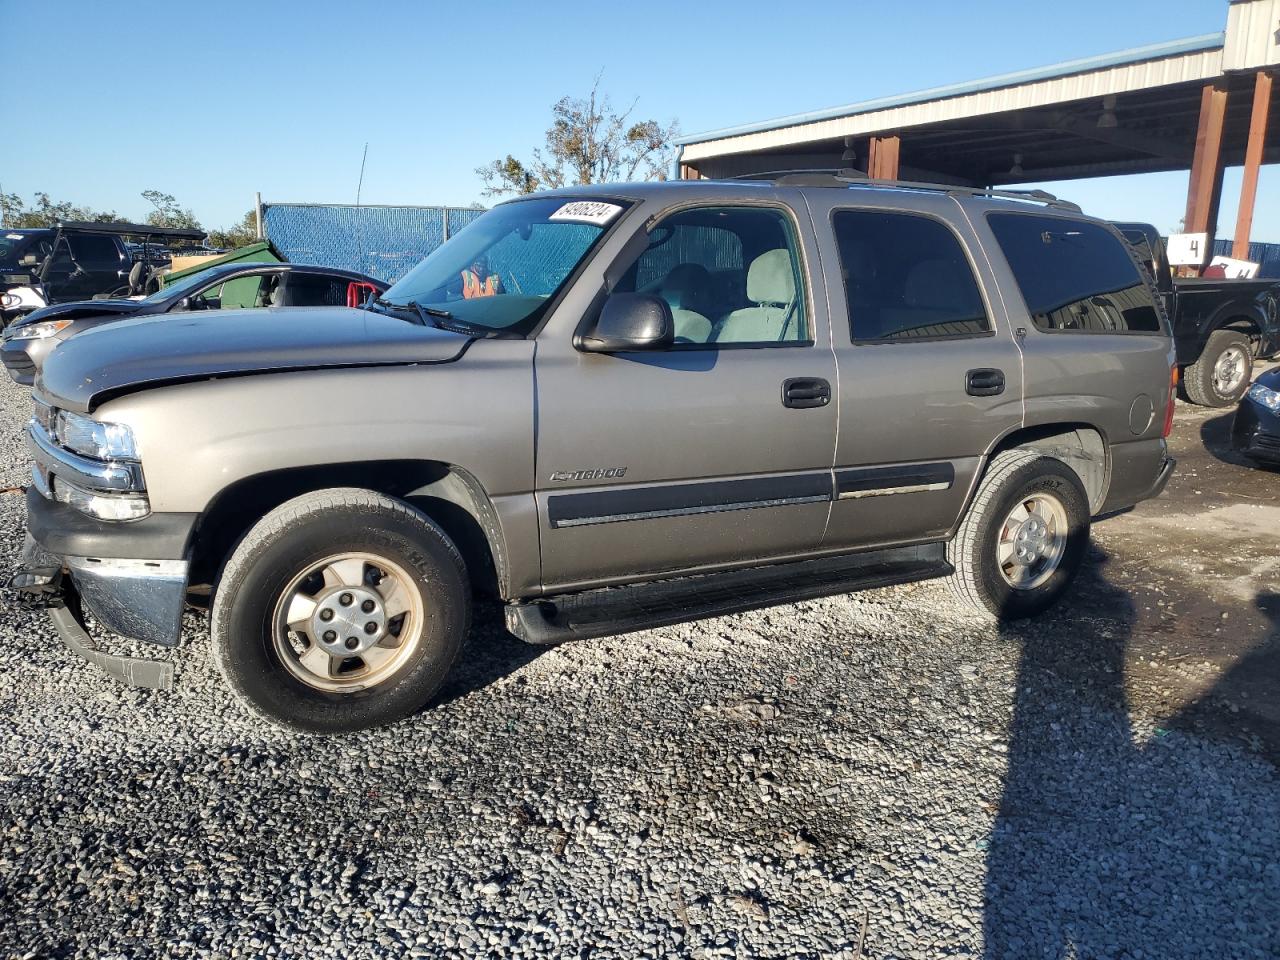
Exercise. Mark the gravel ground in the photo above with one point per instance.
(875, 775)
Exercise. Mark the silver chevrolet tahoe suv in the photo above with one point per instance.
(609, 408)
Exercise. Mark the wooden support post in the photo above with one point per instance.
(1205, 187)
(1252, 161)
(882, 159)
(688, 172)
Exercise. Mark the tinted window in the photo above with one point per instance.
(1074, 275)
(94, 250)
(906, 278)
(317, 291)
(731, 275)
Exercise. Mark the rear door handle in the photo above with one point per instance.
(804, 392)
(984, 382)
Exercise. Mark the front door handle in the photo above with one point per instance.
(984, 382)
(804, 392)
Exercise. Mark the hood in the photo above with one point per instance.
(80, 308)
(144, 352)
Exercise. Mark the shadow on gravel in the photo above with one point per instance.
(1106, 845)
(492, 654)
(1242, 706)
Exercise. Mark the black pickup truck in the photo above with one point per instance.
(77, 261)
(1219, 326)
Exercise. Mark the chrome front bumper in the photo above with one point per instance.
(142, 599)
(139, 599)
(126, 602)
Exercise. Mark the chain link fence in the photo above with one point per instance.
(382, 241)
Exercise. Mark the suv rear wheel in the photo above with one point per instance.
(340, 610)
(1023, 539)
(1220, 377)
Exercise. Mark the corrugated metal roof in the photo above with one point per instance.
(1192, 56)
(1252, 39)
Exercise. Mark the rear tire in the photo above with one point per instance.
(1023, 538)
(1221, 375)
(340, 610)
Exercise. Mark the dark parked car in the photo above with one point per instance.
(1256, 431)
(233, 285)
(76, 261)
(1219, 326)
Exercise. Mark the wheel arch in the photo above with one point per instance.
(447, 493)
(1081, 446)
(1246, 323)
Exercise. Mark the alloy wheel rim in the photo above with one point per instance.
(1031, 541)
(348, 622)
(1229, 371)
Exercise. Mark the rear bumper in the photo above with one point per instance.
(1139, 471)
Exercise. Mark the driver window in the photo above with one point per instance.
(210, 298)
(731, 276)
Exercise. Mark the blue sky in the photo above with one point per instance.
(220, 100)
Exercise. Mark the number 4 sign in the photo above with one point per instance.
(1187, 249)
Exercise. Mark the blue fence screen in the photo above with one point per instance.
(384, 242)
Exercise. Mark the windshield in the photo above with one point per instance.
(14, 245)
(504, 267)
(181, 287)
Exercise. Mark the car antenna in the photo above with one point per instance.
(364, 254)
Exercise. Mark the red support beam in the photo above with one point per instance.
(882, 160)
(1205, 187)
(1252, 161)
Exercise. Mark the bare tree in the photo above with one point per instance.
(587, 143)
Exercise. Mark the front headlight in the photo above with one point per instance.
(93, 438)
(36, 331)
(1266, 396)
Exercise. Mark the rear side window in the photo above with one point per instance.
(1075, 276)
(906, 277)
(317, 291)
(93, 250)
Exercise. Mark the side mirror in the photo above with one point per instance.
(630, 321)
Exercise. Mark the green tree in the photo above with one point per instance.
(587, 142)
(238, 235)
(45, 212)
(168, 213)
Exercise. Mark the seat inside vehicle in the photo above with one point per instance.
(771, 288)
(935, 295)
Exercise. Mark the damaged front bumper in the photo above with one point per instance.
(134, 598)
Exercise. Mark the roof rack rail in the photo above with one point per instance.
(856, 178)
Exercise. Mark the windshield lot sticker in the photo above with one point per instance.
(13, 236)
(587, 211)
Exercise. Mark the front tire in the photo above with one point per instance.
(1221, 375)
(1023, 539)
(340, 610)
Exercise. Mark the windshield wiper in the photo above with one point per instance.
(444, 320)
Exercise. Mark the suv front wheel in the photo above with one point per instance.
(1022, 541)
(340, 610)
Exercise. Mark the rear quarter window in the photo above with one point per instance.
(1076, 276)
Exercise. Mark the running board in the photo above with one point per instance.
(643, 606)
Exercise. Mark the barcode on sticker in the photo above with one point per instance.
(587, 211)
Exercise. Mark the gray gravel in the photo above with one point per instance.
(876, 772)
